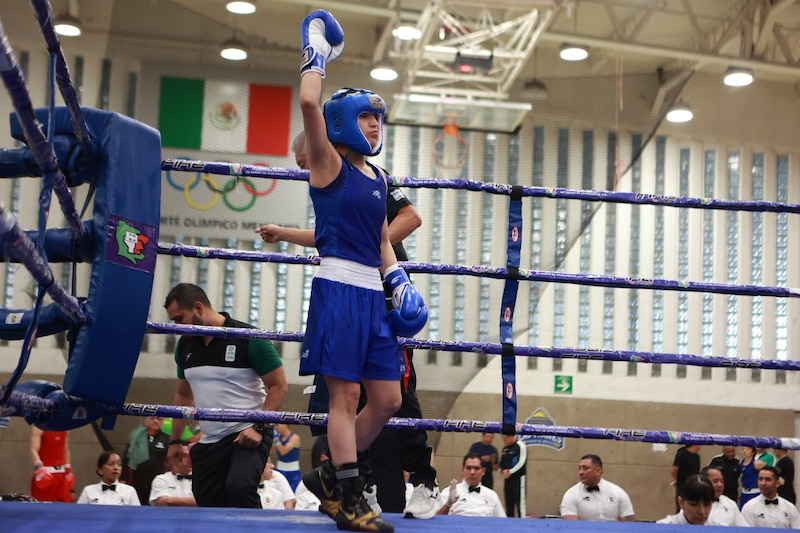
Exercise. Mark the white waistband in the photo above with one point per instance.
(59, 469)
(350, 272)
(291, 465)
(750, 491)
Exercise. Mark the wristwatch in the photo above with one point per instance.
(264, 429)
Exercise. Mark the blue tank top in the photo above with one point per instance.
(749, 474)
(294, 453)
(349, 216)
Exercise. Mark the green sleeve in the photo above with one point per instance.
(263, 356)
(178, 359)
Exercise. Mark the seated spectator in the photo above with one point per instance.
(724, 511)
(769, 509)
(728, 464)
(274, 490)
(145, 456)
(305, 499)
(109, 491)
(695, 500)
(470, 498)
(174, 488)
(319, 451)
(594, 498)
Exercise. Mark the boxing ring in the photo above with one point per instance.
(119, 159)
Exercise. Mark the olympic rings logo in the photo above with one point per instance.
(220, 192)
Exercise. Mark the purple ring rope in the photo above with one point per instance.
(45, 157)
(44, 14)
(463, 426)
(234, 169)
(619, 197)
(241, 255)
(26, 251)
(498, 273)
(493, 348)
(18, 403)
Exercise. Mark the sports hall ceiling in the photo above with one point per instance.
(706, 35)
(669, 38)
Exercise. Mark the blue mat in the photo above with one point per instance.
(23, 517)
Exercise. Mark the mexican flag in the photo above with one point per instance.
(224, 116)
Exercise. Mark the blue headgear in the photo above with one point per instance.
(341, 118)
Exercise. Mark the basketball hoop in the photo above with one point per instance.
(450, 149)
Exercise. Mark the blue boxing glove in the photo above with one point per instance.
(409, 314)
(323, 41)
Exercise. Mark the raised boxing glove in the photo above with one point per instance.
(323, 41)
(409, 314)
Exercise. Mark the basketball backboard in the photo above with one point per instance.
(467, 114)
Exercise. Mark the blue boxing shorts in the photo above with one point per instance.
(347, 332)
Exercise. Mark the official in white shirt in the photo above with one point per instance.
(594, 498)
(174, 488)
(306, 500)
(109, 491)
(768, 509)
(694, 499)
(724, 511)
(274, 490)
(470, 498)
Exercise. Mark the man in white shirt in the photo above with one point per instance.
(724, 511)
(769, 509)
(470, 498)
(274, 490)
(174, 488)
(594, 498)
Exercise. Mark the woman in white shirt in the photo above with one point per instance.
(695, 500)
(109, 491)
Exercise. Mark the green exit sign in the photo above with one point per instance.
(562, 385)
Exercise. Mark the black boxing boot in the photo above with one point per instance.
(354, 513)
(322, 482)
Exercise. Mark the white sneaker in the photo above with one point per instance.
(423, 503)
(371, 497)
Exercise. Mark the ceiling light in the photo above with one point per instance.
(738, 77)
(383, 71)
(241, 8)
(680, 112)
(233, 50)
(533, 90)
(407, 33)
(571, 52)
(68, 26)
